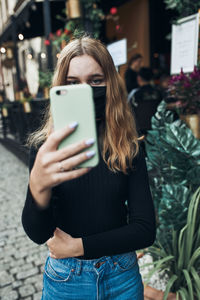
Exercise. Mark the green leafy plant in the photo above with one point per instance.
(180, 261)
(94, 14)
(183, 7)
(71, 29)
(45, 79)
(6, 104)
(173, 161)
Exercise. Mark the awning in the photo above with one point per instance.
(28, 19)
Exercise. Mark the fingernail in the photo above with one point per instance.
(90, 153)
(73, 125)
(89, 142)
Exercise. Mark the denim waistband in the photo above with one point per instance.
(78, 264)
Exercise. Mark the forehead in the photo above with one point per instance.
(84, 65)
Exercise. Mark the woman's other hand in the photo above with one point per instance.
(63, 245)
(53, 166)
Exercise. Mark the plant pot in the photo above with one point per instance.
(193, 122)
(151, 293)
(17, 96)
(27, 107)
(73, 9)
(4, 112)
(140, 255)
(46, 92)
(21, 95)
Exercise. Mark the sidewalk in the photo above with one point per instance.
(21, 260)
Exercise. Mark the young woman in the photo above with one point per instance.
(93, 220)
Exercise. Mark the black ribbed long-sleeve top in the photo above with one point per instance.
(113, 213)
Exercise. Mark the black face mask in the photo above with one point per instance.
(99, 95)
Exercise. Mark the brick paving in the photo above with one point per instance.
(21, 260)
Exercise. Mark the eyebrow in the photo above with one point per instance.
(90, 76)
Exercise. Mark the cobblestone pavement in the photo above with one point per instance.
(21, 260)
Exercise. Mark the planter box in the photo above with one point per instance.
(154, 294)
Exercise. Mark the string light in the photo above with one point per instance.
(29, 56)
(3, 50)
(20, 36)
(43, 55)
(27, 24)
(33, 7)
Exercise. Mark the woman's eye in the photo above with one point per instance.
(96, 81)
(72, 82)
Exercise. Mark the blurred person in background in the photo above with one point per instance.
(144, 100)
(164, 84)
(81, 213)
(130, 76)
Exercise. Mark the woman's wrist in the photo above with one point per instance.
(41, 198)
(78, 247)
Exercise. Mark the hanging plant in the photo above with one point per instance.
(115, 18)
(93, 13)
(74, 27)
(63, 35)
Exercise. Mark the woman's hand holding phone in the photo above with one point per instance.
(53, 166)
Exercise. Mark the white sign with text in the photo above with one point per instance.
(184, 51)
(118, 51)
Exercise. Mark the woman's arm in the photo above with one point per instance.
(49, 167)
(141, 230)
(38, 222)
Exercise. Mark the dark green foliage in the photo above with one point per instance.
(94, 14)
(180, 259)
(183, 7)
(45, 79)
(174, 167)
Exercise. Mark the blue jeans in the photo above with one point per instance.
(114, 277)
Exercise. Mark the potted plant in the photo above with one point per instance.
(45, 79)
(25, 101)
(173, 159)
(181, 261)
(4, 110)
(185, 90)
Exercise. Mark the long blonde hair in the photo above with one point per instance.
(120, 139)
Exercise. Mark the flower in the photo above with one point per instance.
(59, 32)
(47, 42)
(185, 90)
(187, 85)
(118, 28)
(113, 10)
(66, 31)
